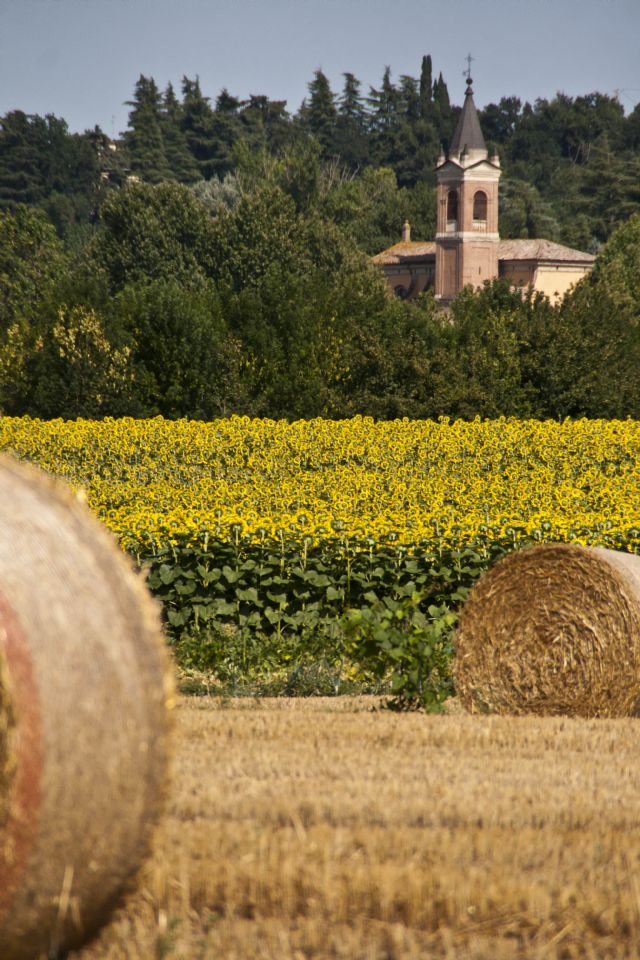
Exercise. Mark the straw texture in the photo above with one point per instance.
(553, 629)
(85, 692)
(6, 753)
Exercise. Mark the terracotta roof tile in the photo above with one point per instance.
(414, 251)
(541, 250)
(406, 252)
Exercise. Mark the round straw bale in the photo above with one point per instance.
(85, 693)
(553, 629)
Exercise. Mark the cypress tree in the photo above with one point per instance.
(266, 123)
(72, 176)
(409, 99)
(426, 88)
(23, 148)
(351, 138)
(321, 112)
(350, 104)
(179, 159)
(441, 97)
(143, 139)
(226, 103)
(383, 102)
(442, 109)
(226, 131)
(198, 126)
(391, 135)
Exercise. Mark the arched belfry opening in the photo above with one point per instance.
(480, 206)
(452, 207)
(467, 236)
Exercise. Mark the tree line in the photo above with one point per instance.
(571, 166)
(216, 260)
(249, 295)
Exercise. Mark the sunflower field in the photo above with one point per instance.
(271, 538)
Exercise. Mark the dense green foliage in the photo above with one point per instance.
(571, 165)
(214, 261)
(379, 613)
(321, 618)
(268, 308)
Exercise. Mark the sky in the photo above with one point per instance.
(80, 59)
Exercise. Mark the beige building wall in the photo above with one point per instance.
(556, 280)
(552, 279)
(518, 273)
(409, 281)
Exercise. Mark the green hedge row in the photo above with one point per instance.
(320, 617)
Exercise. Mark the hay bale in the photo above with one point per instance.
(85, 687)
(6, 759)
(553, 629)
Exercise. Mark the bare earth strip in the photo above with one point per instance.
(320, 829)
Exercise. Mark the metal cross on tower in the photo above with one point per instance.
(467, 72)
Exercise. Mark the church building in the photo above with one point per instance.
(467, 249)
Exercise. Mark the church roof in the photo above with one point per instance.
(408, 251)
(468, 133)
(541, 250)
(415, 251)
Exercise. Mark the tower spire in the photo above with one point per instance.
(468, 135)
(467, 235)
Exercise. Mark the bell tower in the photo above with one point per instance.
(467, 235)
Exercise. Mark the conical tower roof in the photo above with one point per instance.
(468, 134)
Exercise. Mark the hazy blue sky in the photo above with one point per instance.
(80, 59)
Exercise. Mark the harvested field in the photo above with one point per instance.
(319, 829)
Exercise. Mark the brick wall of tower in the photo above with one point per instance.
(467, 250)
